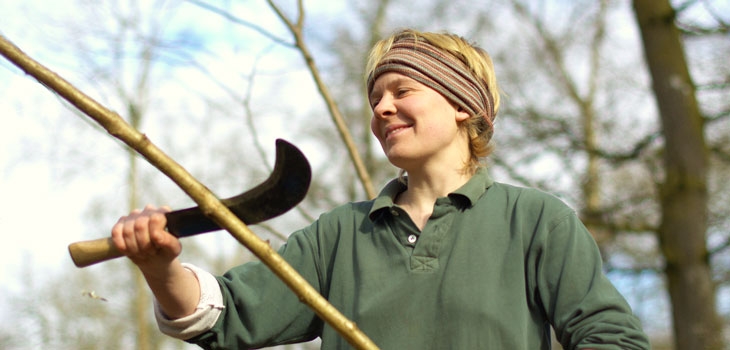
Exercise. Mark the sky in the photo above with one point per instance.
(38, 215)
(46, 197)
(45, 204)
(56, 168)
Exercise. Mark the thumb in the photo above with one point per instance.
(160, 238)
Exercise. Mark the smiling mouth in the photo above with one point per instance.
(395, 130)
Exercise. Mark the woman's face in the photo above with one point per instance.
(415, 125)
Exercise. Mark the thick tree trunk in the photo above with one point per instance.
(684, 191)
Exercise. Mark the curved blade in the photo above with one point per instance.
(285, 188)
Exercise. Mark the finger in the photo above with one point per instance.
(128, 235)
(161, 238)
(157, 224)
(142, 232)
(150, 208)
(117, 235)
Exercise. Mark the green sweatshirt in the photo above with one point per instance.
(493, 268)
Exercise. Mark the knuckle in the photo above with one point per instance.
(118, 242)
(117, 229)
(140, 224)
(157, 218)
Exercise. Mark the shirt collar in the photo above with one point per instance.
(471, 191)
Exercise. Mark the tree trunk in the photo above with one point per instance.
(684, 191)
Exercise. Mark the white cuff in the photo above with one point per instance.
(205, 315)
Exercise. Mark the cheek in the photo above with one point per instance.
(374, 127)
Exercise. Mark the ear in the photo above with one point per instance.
(461, 115)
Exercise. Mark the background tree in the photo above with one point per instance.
(684, 191)
(578, 120)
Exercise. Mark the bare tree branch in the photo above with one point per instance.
(681, 7)
(715, 15)
(632, 154)
(296, 31)
(720, 153)
(207, 201)
(257, 143)
(723, 26)
(691, 29)
(227, 15)
(634, 270)
(715, 85)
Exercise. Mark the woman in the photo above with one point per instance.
(443, 258)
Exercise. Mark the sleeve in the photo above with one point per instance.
(260, 310)
(205, 315)
(585, 309)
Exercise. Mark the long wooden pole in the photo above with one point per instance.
(207, 201)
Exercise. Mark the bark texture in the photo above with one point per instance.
(684, 195)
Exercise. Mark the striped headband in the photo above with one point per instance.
(423, 62)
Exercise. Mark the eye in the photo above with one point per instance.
(375, 97)
(401, 91)
(374, 102)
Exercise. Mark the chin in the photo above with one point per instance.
(399, 161)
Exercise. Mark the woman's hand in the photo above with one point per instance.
(142, 237)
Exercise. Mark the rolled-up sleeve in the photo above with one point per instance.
(206, 313)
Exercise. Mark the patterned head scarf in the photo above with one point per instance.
(425, 63)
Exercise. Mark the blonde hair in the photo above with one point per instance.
(479, 126)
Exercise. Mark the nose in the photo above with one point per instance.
(385, 107)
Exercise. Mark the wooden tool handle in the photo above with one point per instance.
(87, 253)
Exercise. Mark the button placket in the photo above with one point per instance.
(404, 229)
